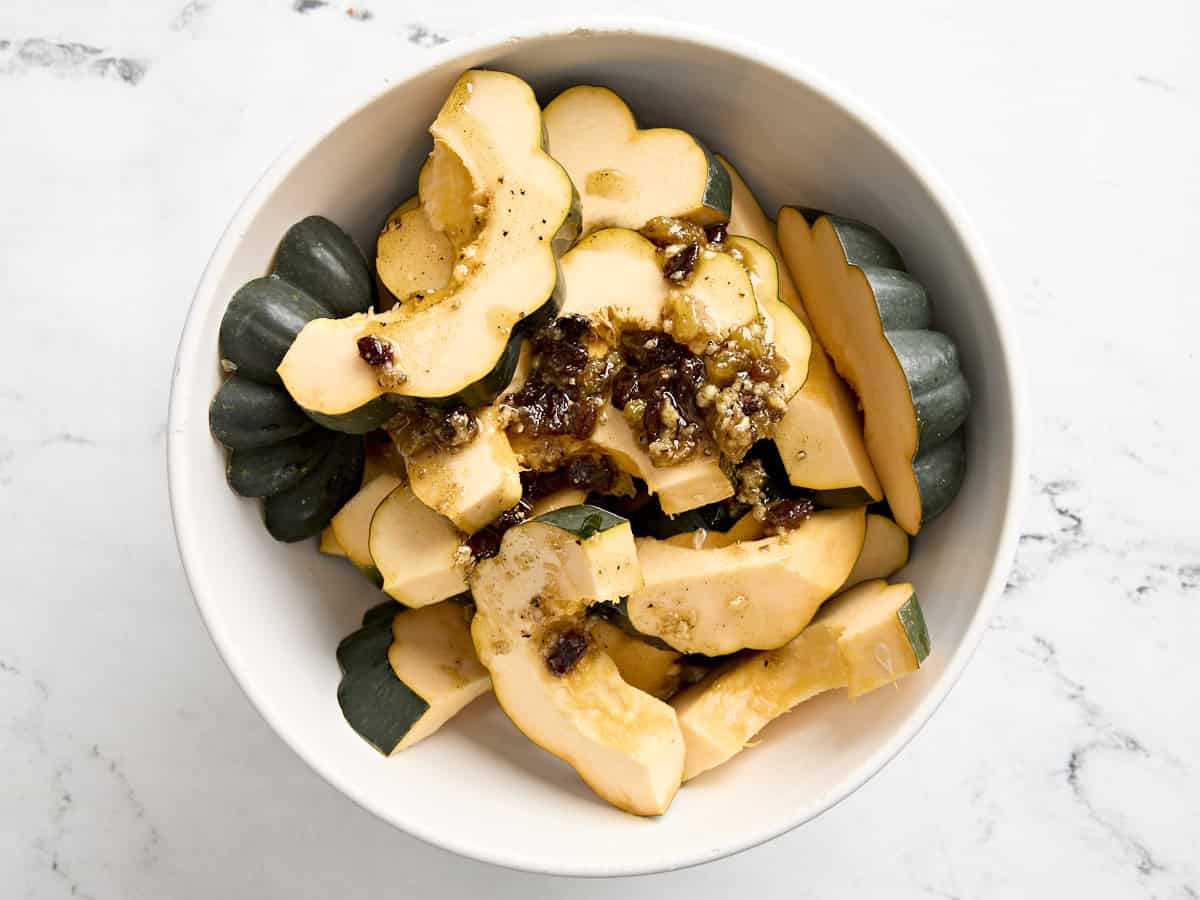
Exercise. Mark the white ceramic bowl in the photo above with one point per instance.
(276, 612)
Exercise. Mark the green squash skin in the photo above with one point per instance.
(583, 520)
(495, 382)
(322, 260)
(841, 498)
(939, 391)
(617, 615)
(651, 521)
(940, 395)
(246, 415)
(267, 471)
(939, 472)
(304, 509)
(260, 323)
(912, 620)
(380, 612)
(376, 704)
(718, 189)
(366, 418)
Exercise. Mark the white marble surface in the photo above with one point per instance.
(1065, 762)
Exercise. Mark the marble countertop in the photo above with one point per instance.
(1065, 762)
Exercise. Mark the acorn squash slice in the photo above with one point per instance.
(884, 552)
(351, 526)
(411, 256)
(785, 330)
(508, 210)
(614, 278)
(753, 594)
(416, 550)
(696, 482)
(873, 318)
(406, 673)
(820, 437)
(472, 484)
(627, 175)
(644, 666)
(554, 682)
(746, 528)
(870, 636)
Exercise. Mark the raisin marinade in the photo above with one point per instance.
(566, 386)
(565, 651)
(418, 427)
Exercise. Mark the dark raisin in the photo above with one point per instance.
(667, 230)
(565, 652)
(583, 419)
(691, 372)
(679, 265)
(654, 419)
(717, 233)
(624, 387)
(752, 403)
(761, 370)
(373, 351)
(539, 484)
(484, 543)
(514, 515)
(593, 472)
(789, 513)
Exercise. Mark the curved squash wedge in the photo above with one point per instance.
(411, 256)
(697, 482)
(652, 669)
(507, 209)
(351, 526)
(785, 330)
(406, 673)
(754, 594)
(862, 640)
(473, 484)
(614, 278)
(884, 552)
(628, 175)
(415, 550)
(873, 317)
(558, 686)
(747, 528)
(820, 438)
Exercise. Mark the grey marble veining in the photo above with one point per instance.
(1064, 763)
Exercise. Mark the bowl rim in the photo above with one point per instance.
(190, 354)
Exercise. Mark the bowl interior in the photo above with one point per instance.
(479, 788)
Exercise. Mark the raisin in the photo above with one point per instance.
(540, 484)
(752, 403)
(679, 265)
(624, 387)
(716, 233)
(761, 370)
(593, 472)
(789, 513)
(667, 230)
(563, 393)
(565, 652)
(514, 515)
(457, 426)
(484, 543)
(374, 351)
(691, 372)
